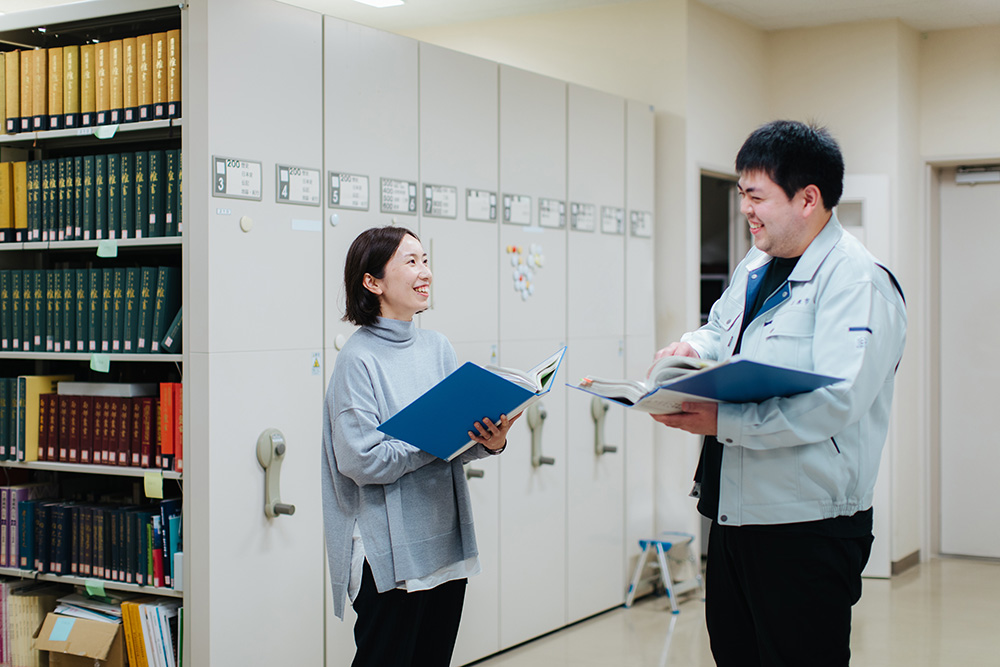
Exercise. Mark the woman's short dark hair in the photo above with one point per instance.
(795, 155)
(369, 253)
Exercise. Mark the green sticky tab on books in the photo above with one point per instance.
(100, 363)
(107, 248)
(95, 587)
(105, 131)
(153, 484)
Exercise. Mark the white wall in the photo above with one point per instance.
(960, 93)
(892, 96)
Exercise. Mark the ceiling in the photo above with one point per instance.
(923, 15)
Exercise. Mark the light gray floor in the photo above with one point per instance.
(942, 613)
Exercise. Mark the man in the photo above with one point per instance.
(788, 482)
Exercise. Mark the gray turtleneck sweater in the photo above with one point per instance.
(412, 508)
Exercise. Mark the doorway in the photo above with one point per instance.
(967, 235)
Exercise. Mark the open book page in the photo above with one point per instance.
(735, 380)
(632, 392)
(536, 379)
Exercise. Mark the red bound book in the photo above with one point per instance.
(148, 409)
(55, 428)
(136, 433)
(179, 426)
(86, 428)
(166, 449)
(124, 431)
(62, 450)
(74, 427)
(106, 424)
(43, 426)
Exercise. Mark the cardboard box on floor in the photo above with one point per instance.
(79, 642)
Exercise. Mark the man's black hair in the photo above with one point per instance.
(795, 155)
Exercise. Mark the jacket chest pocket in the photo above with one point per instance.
(788, 339)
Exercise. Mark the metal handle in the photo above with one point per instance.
(598, 410)
(270, 453)
(474, 472)
(536, 419)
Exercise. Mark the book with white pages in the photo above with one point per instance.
(675, 379)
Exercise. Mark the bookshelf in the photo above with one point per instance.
(120, 231)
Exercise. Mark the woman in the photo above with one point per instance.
(398, 520)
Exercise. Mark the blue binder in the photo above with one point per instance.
(746, 381)
(439, 420)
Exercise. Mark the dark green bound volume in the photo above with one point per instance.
(95, 290)
(50, 191)
(130, 340)
(69, 310)
(114, 197)
(107, 307)
(78, 197)
(60, 200)
(118, 310)
(166, 303)
(53, 310)
(147, 292)
(101, 196)
(43, 199)
(67, 223)
(38, 321)
(171, 342)
(27, 309)
(16, 309)
(157, 192)
(34, 200)
(82, 310)
(171, 196)
(127, 196)
(141, 188)
(89, 194)
(5, 311)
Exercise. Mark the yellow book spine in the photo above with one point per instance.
(144, 85)
(20, 175)
(26, 67)
(159, 74)
(6, 197)
(115, 89)
(71, 83)
(39, 88)
(130, 79)
(102, 81)
(12, 76)
(56, 81)
(173, 73)
(88, 84)
(3, 93)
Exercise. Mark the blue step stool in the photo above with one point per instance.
(662, 545)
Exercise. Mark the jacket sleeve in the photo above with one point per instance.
(858, 336)
(360, 451)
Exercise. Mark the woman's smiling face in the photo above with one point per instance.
(404, 289)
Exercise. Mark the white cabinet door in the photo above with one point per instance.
(253, 307)
(370, 134)
(596, 335)
(458, 152)
(532, 259)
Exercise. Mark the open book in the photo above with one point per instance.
(675, 379)
(440, 419)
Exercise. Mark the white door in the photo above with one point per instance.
(371, 138)
(532, 306)
(596, 336)
(253, 269)
(458, 154)
(969, 366)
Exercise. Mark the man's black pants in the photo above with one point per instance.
(781, 598)
(399, 628)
